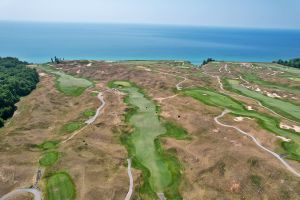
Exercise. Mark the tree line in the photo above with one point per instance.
(16, 80)
(290, 63)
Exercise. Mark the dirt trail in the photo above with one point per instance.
(101, 99)
(287, 166)
(130, 191)
(91, 120)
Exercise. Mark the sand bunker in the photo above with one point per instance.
(249, 108)
(238, 119)
(42, 74)
(284, 139)
(293, 127)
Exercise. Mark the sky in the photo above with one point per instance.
(224, 13)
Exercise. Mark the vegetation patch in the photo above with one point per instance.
(161, 170)
(47, 145)
(16, 80)
(49, 158)
(60, 186)
(267, 122)
(89, 113)
(72, 127)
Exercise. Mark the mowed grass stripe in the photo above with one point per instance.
(60, 186)
(161, 169)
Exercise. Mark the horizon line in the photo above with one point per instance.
(151, 24)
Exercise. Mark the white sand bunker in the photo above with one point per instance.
(144, 68)
(273, 95)
(293, 127)
(249, 108)
(238, 119)
(42, 74)
(283, 138)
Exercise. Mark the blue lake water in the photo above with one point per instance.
(38, 42)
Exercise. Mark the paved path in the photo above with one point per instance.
(287, 166)
(36, 193)
(130, 191)
(101, 99)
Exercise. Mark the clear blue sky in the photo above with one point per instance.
(233, 13)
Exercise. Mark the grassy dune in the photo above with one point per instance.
(267, 122)
(161, 170)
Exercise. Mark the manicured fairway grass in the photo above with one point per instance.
(49, 158)
(269, 123)
(287, 109)
(68, 84)
(60, 186)
(161, 171)
(255, 79)
(71, 127)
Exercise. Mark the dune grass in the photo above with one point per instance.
(287, 109)
(49, 158)
(161, 170)
(60, 186)
(267, 122)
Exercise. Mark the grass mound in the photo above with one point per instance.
(72, 127)
(89, 113)
(60, 186)
(47, 145)
(49, 158)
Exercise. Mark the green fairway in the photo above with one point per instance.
(161, 171)
(68, 84)
(60, 186)
(287, 109)
(71, 127)
(269, 123)
(49, 158)
(251, 77)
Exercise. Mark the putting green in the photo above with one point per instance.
(161, 171)
(49, 158)
(269, 123)
(60, 186)
(289, 110)
(68, 84)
